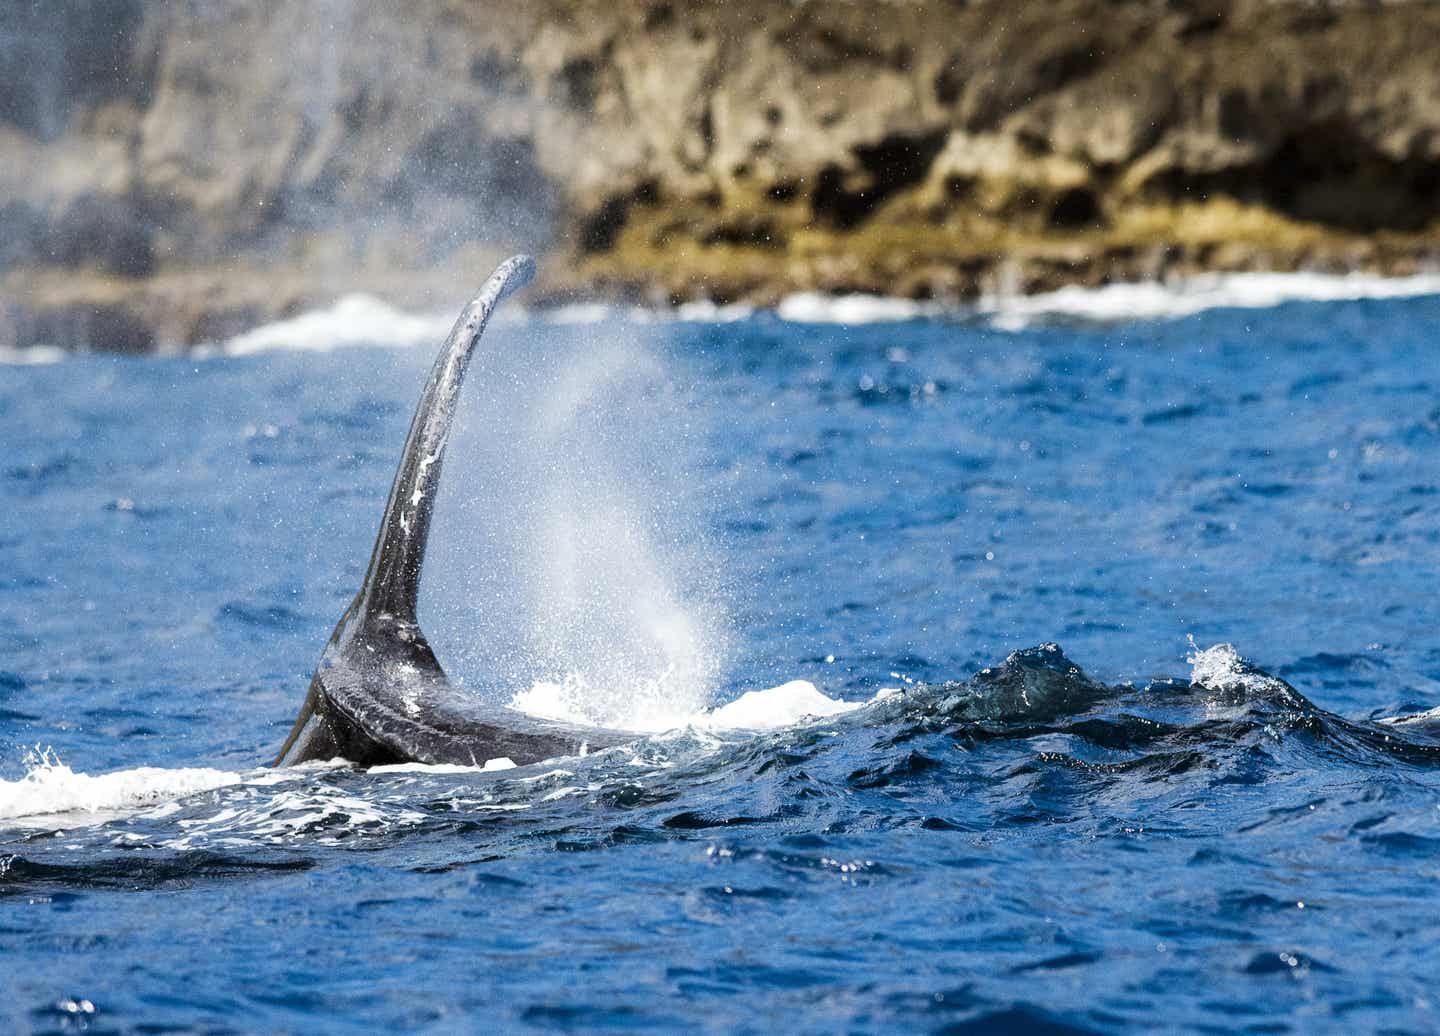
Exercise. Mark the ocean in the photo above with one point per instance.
(1022, 667)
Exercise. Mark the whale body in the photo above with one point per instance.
(379, 695)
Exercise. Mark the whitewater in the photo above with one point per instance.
(364, 320)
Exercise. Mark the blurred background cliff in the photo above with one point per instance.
(177, 171)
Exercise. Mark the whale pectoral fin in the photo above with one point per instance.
(381, 621)
(379, 694)
(392, 581)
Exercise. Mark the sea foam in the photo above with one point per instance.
(31, 356)
(770, 709)
(364, 320)
(51, 787)
(353, 320)
(1153, 300)
(53, 795)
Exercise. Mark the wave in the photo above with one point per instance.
(365, 320)
(1152, 300)
(31, 356)
(704, 311)
(353, 320)
(1114, 303)
(797, 701)
(814, 308)
(1229, 722)
(50, 787)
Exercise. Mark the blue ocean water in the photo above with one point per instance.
(1134, 830)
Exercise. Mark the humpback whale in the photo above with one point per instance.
(379, 694)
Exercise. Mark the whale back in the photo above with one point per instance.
(379, 694)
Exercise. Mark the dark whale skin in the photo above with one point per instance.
(379, 695)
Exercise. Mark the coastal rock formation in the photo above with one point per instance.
(172, 173)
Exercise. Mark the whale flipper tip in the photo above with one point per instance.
(513, 274)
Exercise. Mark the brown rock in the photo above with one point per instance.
(183, 170)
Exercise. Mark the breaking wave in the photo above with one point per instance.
(1230, 721)
(364, 320)
(31, 356)
(358, 319)
(50, 787)
(1115, 303)
(353, 320)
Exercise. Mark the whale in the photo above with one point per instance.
(379, 695)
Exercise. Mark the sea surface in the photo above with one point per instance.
(1055, 645)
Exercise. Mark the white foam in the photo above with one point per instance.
(1423, 718)
(770, 709)
(358, 319)
(31, 356)
(1154, 300)
(318, 812)
(364, 320)
(698, 311)
(1221, 668)
(277, 805)
(704, 311)
(1113, 303)
(814, 308)
(581, 313)
(1215, 667)
(643, 709)
(776, 707)
(51, 787)
(353, 320)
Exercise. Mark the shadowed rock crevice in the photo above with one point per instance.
(1075, 208)
(599, 231)
(1324, 173)
(885, 168)
(1329, 174)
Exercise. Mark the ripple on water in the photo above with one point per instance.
(1035, 846)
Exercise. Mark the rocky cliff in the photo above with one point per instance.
(174, 172)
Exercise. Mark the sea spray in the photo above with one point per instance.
(571, 544)
(50, 787)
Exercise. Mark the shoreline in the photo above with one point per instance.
(178, 311)
(364, 320)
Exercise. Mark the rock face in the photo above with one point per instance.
(173, 172)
